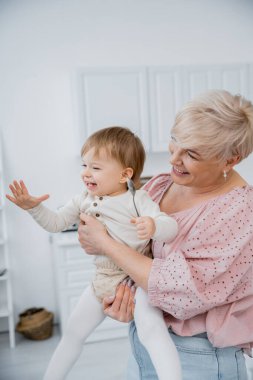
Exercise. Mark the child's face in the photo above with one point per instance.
(102, 175)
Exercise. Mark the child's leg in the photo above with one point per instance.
(86, 316)
(153, 334)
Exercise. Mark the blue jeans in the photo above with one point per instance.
(199, 360)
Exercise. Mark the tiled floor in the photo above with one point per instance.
(99, 361)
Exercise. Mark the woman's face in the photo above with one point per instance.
(190, 169)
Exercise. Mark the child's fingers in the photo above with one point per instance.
(12, 199)
(17, 187)
(13, 190)
(23, 186)
(143, 236)
(141, 226)
(133, 220)
(139, 220)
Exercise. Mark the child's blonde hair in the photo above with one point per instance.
(122, 145)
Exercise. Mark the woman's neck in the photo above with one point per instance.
(221, 187)
(179, 197)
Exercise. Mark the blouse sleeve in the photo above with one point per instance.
(212, 264)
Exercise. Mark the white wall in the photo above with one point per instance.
(42, 43)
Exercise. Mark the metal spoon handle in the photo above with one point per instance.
(132, 190)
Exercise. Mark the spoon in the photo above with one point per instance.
(132, 190)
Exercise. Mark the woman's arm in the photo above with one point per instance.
(94, 238)
(212, 264)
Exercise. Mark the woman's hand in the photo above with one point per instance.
(92, 235)
(22, 198)
(121, 306)
(95, 240)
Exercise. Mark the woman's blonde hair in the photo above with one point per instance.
(216, 124)
(122, 145)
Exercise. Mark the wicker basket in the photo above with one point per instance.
(36, 323)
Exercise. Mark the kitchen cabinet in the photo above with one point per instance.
(171, 87)
(73, 273)
(147, 98)
(113, 97)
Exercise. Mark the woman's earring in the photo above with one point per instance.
(225, 174)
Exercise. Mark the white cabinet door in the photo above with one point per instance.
(171, 87)
(199, 79)
(113, 97)
(74, 271)
(166, 98)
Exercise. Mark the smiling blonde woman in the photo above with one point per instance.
(203, 279)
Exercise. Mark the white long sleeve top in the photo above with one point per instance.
(114, 212)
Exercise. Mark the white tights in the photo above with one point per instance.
(88, 314)
(153, 334)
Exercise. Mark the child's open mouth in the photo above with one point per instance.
(91, 185)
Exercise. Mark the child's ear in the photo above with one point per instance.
(126, 173)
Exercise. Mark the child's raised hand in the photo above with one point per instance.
(145, 227)
(21, 196)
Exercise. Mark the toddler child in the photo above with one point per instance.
(111, 158)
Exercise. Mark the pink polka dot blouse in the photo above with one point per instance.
(203, 279)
